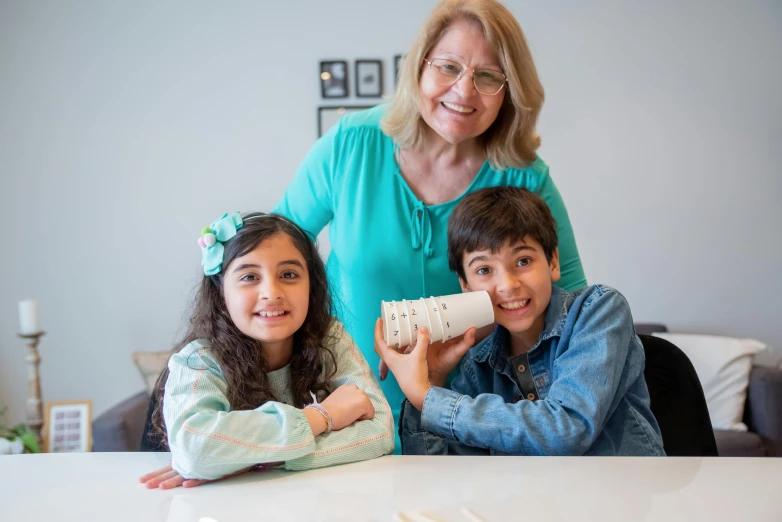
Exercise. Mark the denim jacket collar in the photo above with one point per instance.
(493, 347)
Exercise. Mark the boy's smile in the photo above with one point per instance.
(518, 278)
(515, 307)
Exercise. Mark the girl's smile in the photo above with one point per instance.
(272, 314)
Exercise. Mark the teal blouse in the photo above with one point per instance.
(385, 243)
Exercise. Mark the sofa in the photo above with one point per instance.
(121, 427)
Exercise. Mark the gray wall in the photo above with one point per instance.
(126, 127)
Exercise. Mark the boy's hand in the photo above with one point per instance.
(410, 369)
(444, 356)
(451, 352)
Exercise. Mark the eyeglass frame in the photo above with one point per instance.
(464, 68)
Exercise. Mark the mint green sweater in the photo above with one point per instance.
(385, 243)
(209, 440)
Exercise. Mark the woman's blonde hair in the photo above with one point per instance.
(511, 141)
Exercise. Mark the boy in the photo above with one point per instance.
(562, 374)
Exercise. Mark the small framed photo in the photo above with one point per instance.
(369, 78)
(334, 79)
(68, 427)
(328, 116)
(397, 67)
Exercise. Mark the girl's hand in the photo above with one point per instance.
(348, 404)
(167, 478)
(410, 369)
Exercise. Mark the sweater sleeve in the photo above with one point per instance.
(362, 440)
(572, 271)
(307, 200)
(207, 439)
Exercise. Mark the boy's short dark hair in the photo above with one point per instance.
(488, 218)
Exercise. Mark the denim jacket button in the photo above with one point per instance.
(531, 396)
(517, 398)
(522, 368)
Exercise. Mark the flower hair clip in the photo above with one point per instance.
(212, 239)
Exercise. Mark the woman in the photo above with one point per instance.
(385, 180)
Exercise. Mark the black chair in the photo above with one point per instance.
(677, 400)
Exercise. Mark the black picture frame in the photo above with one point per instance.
(329, 115)
(334, 79)
(397, 65)
(369, 78)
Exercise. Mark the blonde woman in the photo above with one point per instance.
(386, 180)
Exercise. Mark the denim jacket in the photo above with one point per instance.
(580, 390)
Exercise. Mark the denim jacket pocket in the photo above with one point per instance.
(542, 383)
(415, 439)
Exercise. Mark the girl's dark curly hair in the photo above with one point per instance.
(239, 356)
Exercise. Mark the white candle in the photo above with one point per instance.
(28, 317)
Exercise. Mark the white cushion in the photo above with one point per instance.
(723, 365)
(151, 364)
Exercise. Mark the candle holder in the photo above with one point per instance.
(34, 402)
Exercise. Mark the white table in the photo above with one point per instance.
(104, 487)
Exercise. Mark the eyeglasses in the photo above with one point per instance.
(486, 81)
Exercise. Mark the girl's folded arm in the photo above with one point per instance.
(207, 439)
(361, 440)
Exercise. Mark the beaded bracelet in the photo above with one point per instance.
(323, 411)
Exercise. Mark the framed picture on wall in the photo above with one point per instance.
(328, 116)
(397, 66)
(369, 78)
(334, 79)
(67, 427)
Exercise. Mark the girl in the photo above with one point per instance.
(261, 351)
